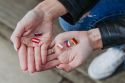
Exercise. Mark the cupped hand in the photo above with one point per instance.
(32, 57)
(73, 56)
(40, 19)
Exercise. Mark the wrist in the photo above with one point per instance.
(52, 8)
(95, 39)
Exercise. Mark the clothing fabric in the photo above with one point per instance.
(106, 13)
(76, 8)
(111, 14)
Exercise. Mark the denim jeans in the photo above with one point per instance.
(104, 9)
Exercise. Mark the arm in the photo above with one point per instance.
(76, 8)
(70, 10)
(109, 33)
(113, 31)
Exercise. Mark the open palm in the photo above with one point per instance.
(74, 56)
(31, 56)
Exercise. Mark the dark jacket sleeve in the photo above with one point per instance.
(112, 31)
(76, 8)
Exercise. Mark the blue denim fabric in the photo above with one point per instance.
(103, 10)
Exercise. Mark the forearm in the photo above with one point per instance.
(109, 33)
(70, 10)
(52, 8)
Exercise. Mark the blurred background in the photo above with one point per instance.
(11, 11)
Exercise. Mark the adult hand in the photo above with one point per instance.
(39, 19)
(75, 55)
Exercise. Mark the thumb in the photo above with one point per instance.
(15, 38)
(23, 26)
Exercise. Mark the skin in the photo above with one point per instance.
(71, 58)
(36, 58)
(41, 19)
(66, 58)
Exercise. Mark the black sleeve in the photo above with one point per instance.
(113, 32)
(76, 8)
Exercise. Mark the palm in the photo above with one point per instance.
(39, 52)
(74, 56)
(32, 57)
(46, 35)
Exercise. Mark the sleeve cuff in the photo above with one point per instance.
(111, 35)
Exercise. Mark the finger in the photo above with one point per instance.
(44, 53)
(27, 41)
(58, 49)
(27, 32)
(51, 64)
(15, 38)
(65, 67)
(38, 61)
(52, 45)
(50, 51)
(51, 57)
(31, 60)
(23, 57)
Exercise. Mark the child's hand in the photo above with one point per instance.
(71, 57)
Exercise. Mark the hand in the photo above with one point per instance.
(24, 27)
(39, 19)
(75, 55)
(33, 53)
(32, 57)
